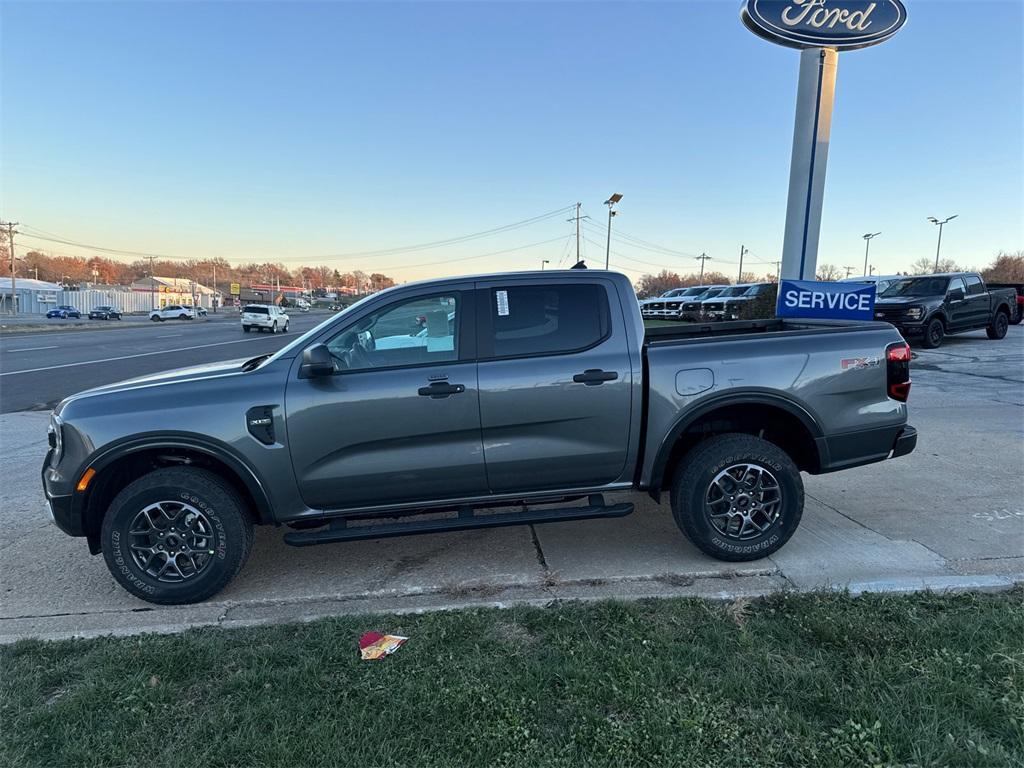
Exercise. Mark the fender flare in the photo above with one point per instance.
(687, 419)
(118, 450)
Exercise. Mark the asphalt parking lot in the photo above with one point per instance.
(948, 516)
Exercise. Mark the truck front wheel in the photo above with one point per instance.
(176, 535)
(737, 497)
(933, 334)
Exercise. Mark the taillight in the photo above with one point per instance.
(897, 369)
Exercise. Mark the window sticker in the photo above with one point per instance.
(502, 299)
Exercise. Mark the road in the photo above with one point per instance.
(38, 369)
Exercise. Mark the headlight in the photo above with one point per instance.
(914, 313)
(55, 437)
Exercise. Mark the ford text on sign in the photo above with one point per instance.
(826, 301)
(839, 24)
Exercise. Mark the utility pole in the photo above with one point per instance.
(152, 282)
(214, 299)
(702, 258)
(778, 271)
(14, 288)
(849, 270)
(743, 251)
(577, 218)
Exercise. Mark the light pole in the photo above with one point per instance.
(543, 262)
(940, 224)
(743, 251)
(610, 202)
(867, 246)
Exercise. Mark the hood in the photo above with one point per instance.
(903, 301)
(207, 370)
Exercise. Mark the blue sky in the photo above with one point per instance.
(293, 131)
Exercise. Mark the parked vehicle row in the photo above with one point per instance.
(498, 400)
(703, 302)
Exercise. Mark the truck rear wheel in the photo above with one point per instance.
(176, 535)
(737, 497)
(999, 326)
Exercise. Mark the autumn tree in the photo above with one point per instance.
(828, 273)
(655, 285)
(926, 266)
(1007, 268)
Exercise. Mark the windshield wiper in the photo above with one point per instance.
(249, 365)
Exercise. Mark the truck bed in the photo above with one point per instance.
(683, 331)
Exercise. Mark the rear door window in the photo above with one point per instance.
(528, 320)
(974, 285)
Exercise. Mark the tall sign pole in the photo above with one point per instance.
(820, 29)
(815, 95)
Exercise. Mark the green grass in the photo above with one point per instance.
(792, 680)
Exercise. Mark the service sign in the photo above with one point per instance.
(840, 24)
(826, 301)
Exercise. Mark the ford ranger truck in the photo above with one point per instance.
(472, 402)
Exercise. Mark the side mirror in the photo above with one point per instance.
(316, 361)
(957, 294)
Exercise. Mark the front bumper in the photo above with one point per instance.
(60, 506)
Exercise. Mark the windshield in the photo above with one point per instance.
(712, 293)
(754, 290)
(736, 290)
(917, 286)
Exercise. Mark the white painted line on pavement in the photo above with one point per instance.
(128, 357)
(169, 336)
(31, 349)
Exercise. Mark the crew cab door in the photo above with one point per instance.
(956, 304)
(978, 305)
(399, 420)
(555, 383)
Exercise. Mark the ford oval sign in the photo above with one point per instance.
(840, 24)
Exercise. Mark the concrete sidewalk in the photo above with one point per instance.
(948, 516)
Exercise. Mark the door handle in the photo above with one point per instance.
(440, 389)
(594, 376)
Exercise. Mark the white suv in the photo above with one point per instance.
(172, 312)
(264, 316)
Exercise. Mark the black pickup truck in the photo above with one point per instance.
(932, 306)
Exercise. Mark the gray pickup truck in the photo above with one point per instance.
(473, 402)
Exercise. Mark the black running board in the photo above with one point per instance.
(340, 530)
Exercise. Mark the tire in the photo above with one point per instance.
(245, 328)
(1018, 315)
(273, 328)
(934, 332)
(1000, 324)
(285, 328)
(183, 317)
(720, 463)
(161, 503)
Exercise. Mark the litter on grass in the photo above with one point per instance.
(374, 645)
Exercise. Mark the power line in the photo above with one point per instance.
(329, 257)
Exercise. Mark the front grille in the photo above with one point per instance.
(691, 306)
(888, 313)
(672, 305)
(655, 305)
(714, 306)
